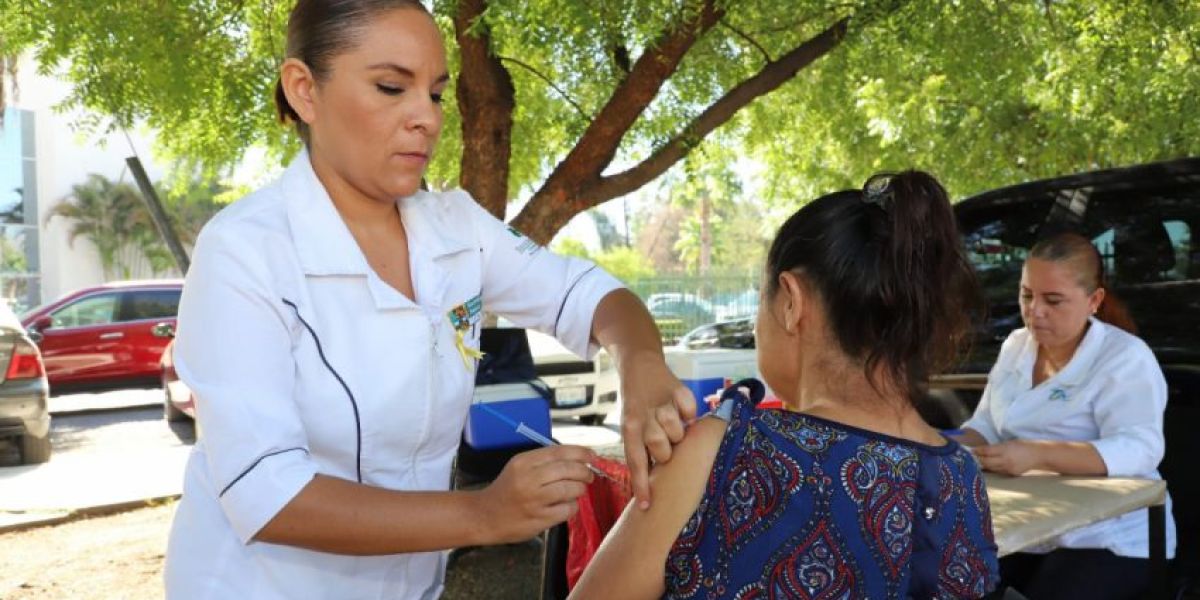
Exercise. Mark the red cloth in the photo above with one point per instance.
(599, 509)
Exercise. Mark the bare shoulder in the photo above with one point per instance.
(693, 457)
(632, 560)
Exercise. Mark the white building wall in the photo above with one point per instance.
(65, 158)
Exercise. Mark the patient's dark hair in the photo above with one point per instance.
(891, 273)
(319, 30)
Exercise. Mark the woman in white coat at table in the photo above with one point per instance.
(329, 328)
(1075, 392)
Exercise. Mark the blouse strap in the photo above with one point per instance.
(732, 398)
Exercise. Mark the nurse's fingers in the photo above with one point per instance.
(685, 402)
(562, 491)
(638, 461)
(550, 454)
(561, 512)
(562, 470)
(668, 419)
(658, 444)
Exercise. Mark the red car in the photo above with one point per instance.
(106, 337)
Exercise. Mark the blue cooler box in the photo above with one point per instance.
(518, 402)
(707, 372)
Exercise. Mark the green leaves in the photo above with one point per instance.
(988, 93)
(982, 93)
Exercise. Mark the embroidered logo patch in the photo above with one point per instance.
(526, 245)
(1058, 395)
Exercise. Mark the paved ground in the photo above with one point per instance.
(109, 449)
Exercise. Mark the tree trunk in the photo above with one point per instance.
(705, 233)
(485, 102)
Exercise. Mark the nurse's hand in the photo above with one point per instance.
(1008, 458)
(656, 409)
(535, 491)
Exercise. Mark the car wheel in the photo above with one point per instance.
(35, 450)
(592, 419)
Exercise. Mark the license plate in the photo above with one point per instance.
(567, 397)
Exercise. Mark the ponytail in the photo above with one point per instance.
(891, 270)
(1114, 312)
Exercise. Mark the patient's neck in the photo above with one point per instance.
(834, 388)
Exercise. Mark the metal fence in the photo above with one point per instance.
(682, 303)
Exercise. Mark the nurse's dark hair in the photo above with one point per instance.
(1078, 254)
(887, 263)
(319, 30)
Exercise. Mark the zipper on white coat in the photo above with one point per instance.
(431, 403)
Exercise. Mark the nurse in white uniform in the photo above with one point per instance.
(1077, 393)
(329, 329)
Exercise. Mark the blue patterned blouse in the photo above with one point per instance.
(803, 507)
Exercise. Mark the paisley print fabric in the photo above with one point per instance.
(801, 507)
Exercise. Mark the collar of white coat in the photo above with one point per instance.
(324, 243)
(1077, 368)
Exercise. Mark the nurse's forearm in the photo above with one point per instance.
(344, 517)
(1069, 458)
(625, 328)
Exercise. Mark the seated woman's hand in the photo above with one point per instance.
(1015, 457)
(535, 491)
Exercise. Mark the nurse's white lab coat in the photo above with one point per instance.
(1111, 394)
(303, 361)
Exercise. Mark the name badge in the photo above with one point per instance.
(463, 318)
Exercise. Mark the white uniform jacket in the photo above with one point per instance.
(1111, 394)
(303, 361)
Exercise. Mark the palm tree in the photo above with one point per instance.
(110, 215)
(114, 218)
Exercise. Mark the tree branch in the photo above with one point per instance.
(750, 40)
(766, 80)
(550, 83)
(629, 100)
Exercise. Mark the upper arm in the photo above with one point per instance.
(534, 287)
(631, 563)
(1129, 415)
(981, 421)
(233, 350)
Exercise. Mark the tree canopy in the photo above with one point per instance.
(572, 103)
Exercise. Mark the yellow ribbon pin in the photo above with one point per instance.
(467, 353)
(461, 318)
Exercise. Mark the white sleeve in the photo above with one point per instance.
(981, 421)
(233, 349)
(1129, 414)
(534, 287)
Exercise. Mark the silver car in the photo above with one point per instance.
(24, 415)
